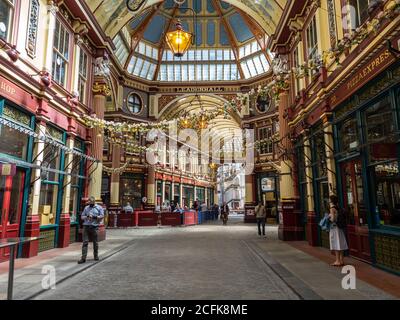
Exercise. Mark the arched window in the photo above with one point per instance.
(134, 103)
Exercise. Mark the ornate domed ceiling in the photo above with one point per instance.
(229, 45)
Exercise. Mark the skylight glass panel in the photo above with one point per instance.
(245, 69)
(241, 52)
(191, 55)
(220, 72)
(185, 72)
(198, 55)
(138, 66)
(141, 48)
(234, 71)
(258, 65)
(191, 72)
(145, 69)
(219, 55)
(212, 55)
(149, 52)
(170, 72)
(247, 49)
(170, 56)
(198, 72)
(254, 47)
(227, 55)
(163, 73)
(205, 54)
(264, 62)
(152, 69)
(206, 75)
(252, 68)
(213, 70)
(131, 64)
(178, 72)
(121, 51)
(227, 71)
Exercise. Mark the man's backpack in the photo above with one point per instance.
(341, 220)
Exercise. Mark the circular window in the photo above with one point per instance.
(134, 103)
(263, 103)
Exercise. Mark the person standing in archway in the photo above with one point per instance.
(261, 215)
(224, 213)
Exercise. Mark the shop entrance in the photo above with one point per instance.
(353, 201)
(11, 197)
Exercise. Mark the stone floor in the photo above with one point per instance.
(209, 261)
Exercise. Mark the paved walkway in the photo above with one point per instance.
(200, 262)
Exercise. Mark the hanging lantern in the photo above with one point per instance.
(179, 40)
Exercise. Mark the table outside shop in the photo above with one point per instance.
(12, 243)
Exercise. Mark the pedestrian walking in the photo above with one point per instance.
(91, 217)
(261, 216)
(224, 213)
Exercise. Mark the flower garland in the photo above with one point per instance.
(119, 170)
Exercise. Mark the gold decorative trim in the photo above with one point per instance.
(102, 89)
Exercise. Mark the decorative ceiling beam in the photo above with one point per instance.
(161, 48)
(138, 34)
(231, 37)
(258, 33)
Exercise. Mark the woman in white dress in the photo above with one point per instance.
(337, 238)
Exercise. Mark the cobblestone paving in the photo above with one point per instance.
(205, 262)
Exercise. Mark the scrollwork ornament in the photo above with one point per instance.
(102, 89)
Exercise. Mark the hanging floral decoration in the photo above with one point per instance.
(119, 170)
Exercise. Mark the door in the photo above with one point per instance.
(353, 198)
(11, 197)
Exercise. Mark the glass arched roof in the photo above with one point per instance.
(228, 45)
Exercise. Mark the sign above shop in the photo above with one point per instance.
(12, 92)
(7, 169)
(376, 64)
(200, 89)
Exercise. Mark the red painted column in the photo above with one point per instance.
(32, 229)
(64, 231)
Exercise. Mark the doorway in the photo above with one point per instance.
(11, 197)
(354, 203)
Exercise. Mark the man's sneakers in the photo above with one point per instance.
(96, 258)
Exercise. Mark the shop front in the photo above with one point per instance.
(267, 193)
(131, 189)
(367, 156)
(15, 146)
(188, 196)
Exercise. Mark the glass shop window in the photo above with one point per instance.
(131, 191)
(319, 154)
(13, 142)
(348, 135)
(50, 179)
(6, 19)
(380, 130)
(387, 192)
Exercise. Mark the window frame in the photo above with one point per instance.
(10, 28)
(56, 53)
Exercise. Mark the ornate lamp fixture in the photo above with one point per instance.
(179, 40)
